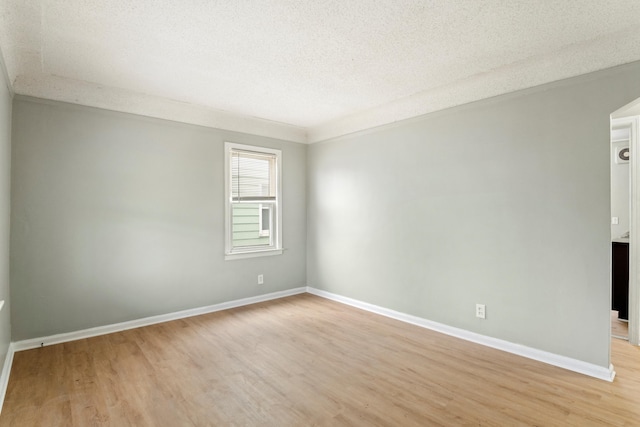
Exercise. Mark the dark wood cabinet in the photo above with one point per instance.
(620, 279)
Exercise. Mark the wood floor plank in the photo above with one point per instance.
(619, 328)
(304, 360)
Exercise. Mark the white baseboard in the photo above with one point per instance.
(528, 352)
(521, 350)
(6, 371)
(117, 327)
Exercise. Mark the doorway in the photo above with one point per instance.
(624, 130)
(620, 208)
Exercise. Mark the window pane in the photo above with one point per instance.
(247, 219)
(252, 175)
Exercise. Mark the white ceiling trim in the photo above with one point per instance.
(324, 70)
(92, 95)
(565, 63)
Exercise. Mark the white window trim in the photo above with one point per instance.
(262, 232)
(276, 225)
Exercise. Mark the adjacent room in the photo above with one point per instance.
(319, 213)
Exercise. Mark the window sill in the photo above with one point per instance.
(252, 254)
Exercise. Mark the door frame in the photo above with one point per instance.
(633, 124)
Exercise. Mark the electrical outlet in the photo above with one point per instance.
(481, 311)
(260, 279)
(615, 220)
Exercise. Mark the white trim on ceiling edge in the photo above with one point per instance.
(531, 353)
(528, 352)
(60, 89)
(476, 88)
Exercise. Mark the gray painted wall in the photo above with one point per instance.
(504, 202)
(5, 199)
(118, 217)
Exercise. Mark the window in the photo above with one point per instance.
(253, 200)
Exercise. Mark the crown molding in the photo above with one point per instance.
(109, 98)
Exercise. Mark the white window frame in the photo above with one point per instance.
(275, 233)
(264, 232)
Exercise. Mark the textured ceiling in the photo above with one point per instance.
(304, 70)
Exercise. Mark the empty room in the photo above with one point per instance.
(293, 213)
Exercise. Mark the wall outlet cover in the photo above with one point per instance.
(481, 311)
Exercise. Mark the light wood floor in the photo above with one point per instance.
(619, 329)
(304, 361)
